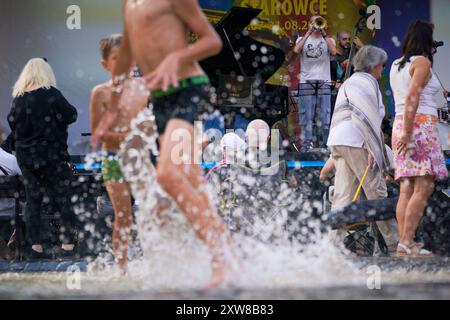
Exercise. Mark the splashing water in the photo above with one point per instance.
(280, 243)
(165, 236)
(173, 256)
(279, 249)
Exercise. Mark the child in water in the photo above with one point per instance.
(134, 100)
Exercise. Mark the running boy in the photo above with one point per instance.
(156, 36)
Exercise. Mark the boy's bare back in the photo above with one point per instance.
(133, 101)
(155, 30)
(156, 38)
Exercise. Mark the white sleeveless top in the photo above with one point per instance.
(400, 81)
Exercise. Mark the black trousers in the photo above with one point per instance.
(54, 182)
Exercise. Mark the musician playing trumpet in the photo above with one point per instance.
(315, 49)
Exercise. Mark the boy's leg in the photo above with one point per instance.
(182, 181)
(119, 193)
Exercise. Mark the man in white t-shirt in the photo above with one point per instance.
(315, 49)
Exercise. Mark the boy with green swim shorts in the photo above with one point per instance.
(133, 101)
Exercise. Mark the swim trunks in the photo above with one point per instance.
(111, 171)
(185, 102)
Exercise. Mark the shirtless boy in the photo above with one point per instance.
(156, 37)
(132, 102)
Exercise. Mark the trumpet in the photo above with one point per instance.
(319, 23)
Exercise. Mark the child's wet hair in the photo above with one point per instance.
(108, 43)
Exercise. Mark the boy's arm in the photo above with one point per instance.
(207, 45)
(97, 105)
(120, 73)
(209, 42)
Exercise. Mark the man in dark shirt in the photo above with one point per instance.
(341, 59)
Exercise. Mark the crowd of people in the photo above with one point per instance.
(355, 139)
(178, 90)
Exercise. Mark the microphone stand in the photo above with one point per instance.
(358, 29)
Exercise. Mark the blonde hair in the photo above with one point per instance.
(36, 73)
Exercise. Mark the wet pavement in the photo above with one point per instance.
(400, 278)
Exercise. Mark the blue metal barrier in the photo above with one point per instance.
(209, 165)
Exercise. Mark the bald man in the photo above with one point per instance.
(258, 134)
(257, 137)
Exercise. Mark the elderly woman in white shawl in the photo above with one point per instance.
(355, 137)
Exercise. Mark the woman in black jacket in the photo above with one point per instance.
(39, 120)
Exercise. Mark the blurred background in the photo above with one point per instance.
(38, 28)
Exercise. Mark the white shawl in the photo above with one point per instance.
(363, 111)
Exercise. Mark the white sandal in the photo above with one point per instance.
(404, 250)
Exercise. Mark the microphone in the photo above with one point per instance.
(437, 44)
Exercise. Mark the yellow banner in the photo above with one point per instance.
(281, 22)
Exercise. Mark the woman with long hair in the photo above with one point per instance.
(39, 119)
(419, 159)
